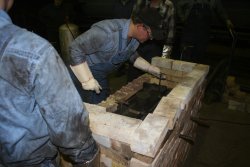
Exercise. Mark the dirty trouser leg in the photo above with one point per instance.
(105, 92)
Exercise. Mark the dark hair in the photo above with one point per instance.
(151, 18)
(148, 16)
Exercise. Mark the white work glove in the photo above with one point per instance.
(84, 75)
(167, 49)
(143, 65)
(154, 71)
(91, 84)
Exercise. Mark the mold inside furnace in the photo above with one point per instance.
(143, 102)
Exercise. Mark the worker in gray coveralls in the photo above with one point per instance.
(108, 44)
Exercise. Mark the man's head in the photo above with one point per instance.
(149, 20)
(6, 4)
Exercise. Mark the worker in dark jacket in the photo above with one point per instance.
(155, 47)
(197, 16)
(106, 45)
(41, 112)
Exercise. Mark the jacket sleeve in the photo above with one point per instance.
(62, 109)
(87, 43)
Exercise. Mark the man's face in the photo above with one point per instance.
(143, 33)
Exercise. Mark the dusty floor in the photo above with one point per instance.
(225, 143)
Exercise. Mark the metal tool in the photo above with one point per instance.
(187, 138)
(162, 77)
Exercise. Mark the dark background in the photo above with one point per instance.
(25, 13)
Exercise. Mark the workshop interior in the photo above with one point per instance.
(214, 133)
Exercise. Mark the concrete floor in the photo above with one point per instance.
(225, 143)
